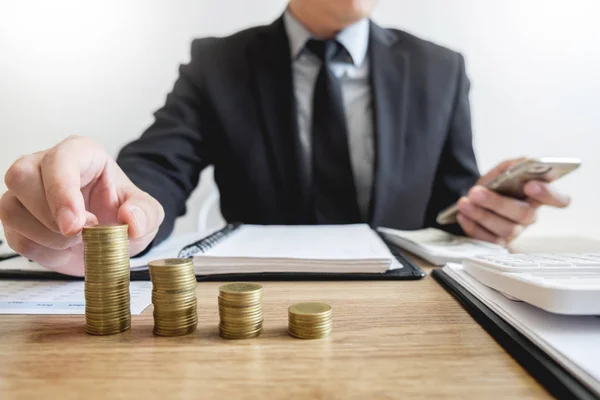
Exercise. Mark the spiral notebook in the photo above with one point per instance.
(238, 251)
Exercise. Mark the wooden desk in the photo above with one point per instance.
(390, 340)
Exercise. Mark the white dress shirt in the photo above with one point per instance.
(354, 76)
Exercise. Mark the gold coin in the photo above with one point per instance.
(174, 332)
(240, 305)
(105, 228)
(240, 288)
(308, 337)
(107, 275)
(237, 336)
(174, 296)
(241, 296)
(310, 320)
(317, 325)
(175, 322)
(258, 314)
(312, 309)
(170, 262)
(178, 321)
(240, 310)
(108, 329)
(307, 333)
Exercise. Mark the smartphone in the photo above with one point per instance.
(512, 182)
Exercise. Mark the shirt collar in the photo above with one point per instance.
(355, 38)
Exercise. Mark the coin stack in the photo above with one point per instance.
(309, 320)
(106, 260)
(240, 310)
(174, 296)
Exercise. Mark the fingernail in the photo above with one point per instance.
(467, 207)
(66, 220)
(479, 195)
(535, 188)
(91, 219)
(517, 231)
(139, 217)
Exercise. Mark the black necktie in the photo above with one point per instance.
(333, 190)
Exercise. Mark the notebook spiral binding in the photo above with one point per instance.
(208, 242)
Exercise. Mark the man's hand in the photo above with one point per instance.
(489, 216)
(53, 194)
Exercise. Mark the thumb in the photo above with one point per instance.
(143, 214)
(500, 169)
(65, 169)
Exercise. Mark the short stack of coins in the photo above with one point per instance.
(240, 310)
(174, 296)
(309, 320)
(106, 260)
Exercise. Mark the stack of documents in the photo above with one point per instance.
(439, 247)
(571, 341)
(332, 249)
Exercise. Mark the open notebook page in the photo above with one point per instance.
(324, 248)
(344, 242)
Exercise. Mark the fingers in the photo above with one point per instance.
(499, 169)
(490, 221)
(24, 180)
(505, 165)
(34, 251)
(19, 219)
(53, 194)
(143, 214)
(476, 231)
(48, 184)
(489, 215)
(66, 168)
(518, 211)
(545, 194)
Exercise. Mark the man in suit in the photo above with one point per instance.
(322, 117)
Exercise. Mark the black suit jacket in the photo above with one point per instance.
(232, 106)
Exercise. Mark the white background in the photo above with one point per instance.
(100, 68)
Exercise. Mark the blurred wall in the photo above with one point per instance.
(100, 68)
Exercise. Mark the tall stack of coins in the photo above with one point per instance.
(106, 260)
(309, 320)
(240, 310)
(174, 296)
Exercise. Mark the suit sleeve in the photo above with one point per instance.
(457, 170)
(166, 161)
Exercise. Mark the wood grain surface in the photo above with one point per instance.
(390, 340)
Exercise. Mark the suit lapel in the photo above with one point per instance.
(270, 63)
(389, 82)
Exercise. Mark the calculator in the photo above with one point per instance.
(564, 283)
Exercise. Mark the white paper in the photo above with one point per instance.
(4, 249)
(21, 264)
(170, 248)
(325, 248)
(325, 242)
(59, 297)
(573, 341)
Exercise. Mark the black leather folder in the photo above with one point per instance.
(557, 380)
(410, 270)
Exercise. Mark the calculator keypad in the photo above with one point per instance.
(540, 262)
